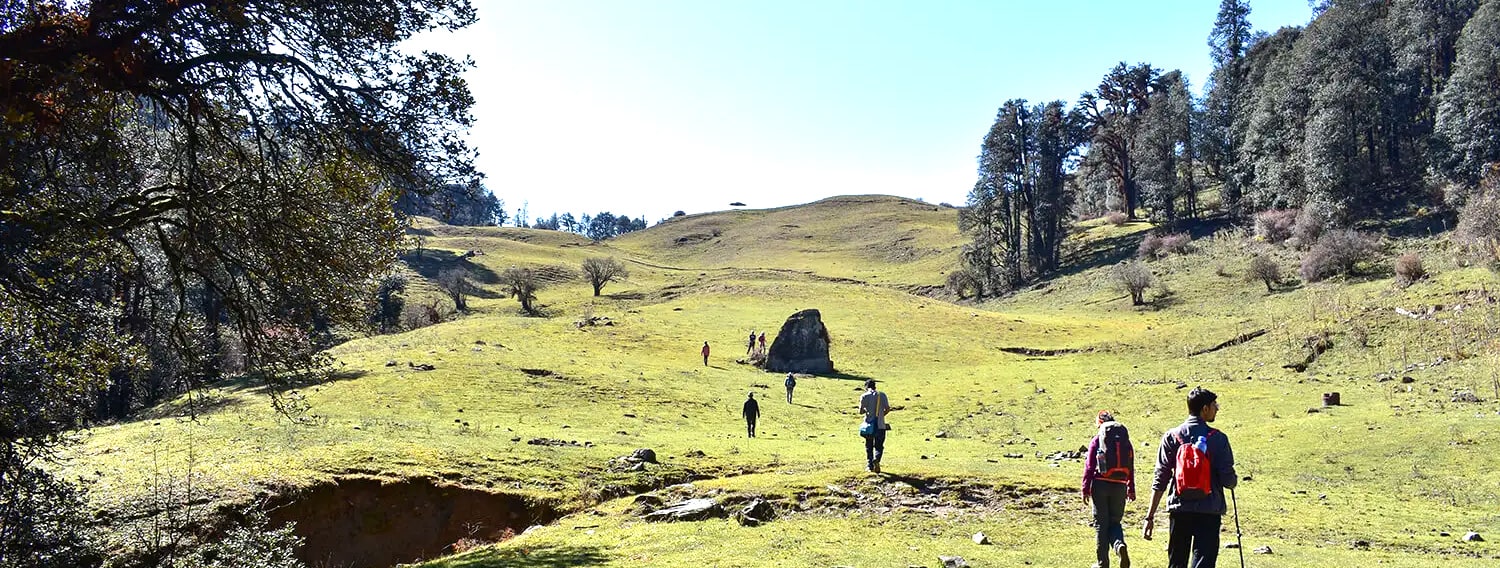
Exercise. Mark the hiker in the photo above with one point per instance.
(1194, 467)
(873, 405)
(705, 353)
(1108, 481)
(762, 344)
(751, 412)
(750, 347)
(791, 383)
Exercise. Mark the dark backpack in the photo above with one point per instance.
(1114, 461)
(1194, 475)
(790, 382)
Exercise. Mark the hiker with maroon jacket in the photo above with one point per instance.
(1108, 481)
(1194, 467)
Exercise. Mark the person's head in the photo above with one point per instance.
(1203, 403)
(788, 375)
(750, 394)
(870, 384)
(1103, 416)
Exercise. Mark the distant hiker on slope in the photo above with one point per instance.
(1108, 481)
(873, 405)
(705, 353)
(791, 383)
(1194, 467)
(762, 344)
(750, 347)
(751, 412)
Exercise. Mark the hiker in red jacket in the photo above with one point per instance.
(705, 353)
(1108, 481)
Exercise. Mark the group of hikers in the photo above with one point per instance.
(1194, 468)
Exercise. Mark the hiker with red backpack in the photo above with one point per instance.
(1194, 468)
(1108, 481)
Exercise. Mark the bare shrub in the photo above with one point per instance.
(1157, 246)
(1309, 226)
(1116, 218)
(455, 282)
(963, 283)
(1263, 268)
(1275, 226)
(1176, 243)
(522, 284)
(1150, 247)
(1337, 252)
(1409, 269)
(1478, 230)
(603, 270)
(1134, 278)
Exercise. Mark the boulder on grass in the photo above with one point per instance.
(690, 510)
(801, 346)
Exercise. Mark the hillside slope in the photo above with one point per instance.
(990, 401)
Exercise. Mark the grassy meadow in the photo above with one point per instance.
(1394, 476)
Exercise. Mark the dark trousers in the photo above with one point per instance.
(750, 424)
(1195, 533)
(789, 394)
(874, 448)
(1109, 510)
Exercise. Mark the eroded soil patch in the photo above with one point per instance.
(364, 522)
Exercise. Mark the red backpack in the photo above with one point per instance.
(1115, 459)
(1194, 476)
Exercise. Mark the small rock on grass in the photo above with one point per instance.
(1473, 537)
(1231, 545)
(980, 538)
(953, 562)
(1263, 550)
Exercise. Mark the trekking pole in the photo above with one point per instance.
(1237, 534)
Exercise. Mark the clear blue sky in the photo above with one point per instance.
(645, 107)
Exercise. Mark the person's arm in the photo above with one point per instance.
(885, 405)
(1160, 481)
(1223, 464)
(1088, 468)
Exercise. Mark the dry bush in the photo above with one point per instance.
(1134, 278)
(1150, 247)
(1478, 230)
(1116, 218)
(1158, 246)
(1337, 252)
(1176, 243)
(1310, 224)
(1275, 226)
(963, 283)
(1409, 269)
(1264, 269)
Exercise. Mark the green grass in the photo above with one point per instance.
(1392, 467)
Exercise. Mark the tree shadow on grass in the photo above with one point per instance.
(530, 557)
(260, 385)
(432, 262)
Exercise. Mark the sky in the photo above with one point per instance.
(647, 107)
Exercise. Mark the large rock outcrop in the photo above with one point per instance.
(801, 346)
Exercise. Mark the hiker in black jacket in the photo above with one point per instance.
(751, 412)
(1194, 468)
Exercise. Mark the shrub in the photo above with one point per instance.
(522, 284)
(1150, 247)
(1309, 226)
(1275, 226)
(1337, 252)
(1157, 246)
(1264, 269)
(1409, 269)
(963, 281)
(1176, 243)
(1116, 218)
(1134, 277)
(679, 213)
(1478, 229)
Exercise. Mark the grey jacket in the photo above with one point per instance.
(1220, 459)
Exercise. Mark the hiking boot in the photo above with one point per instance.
(1124, 554)
(875, 468)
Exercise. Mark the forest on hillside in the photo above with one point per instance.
(1372, 107)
